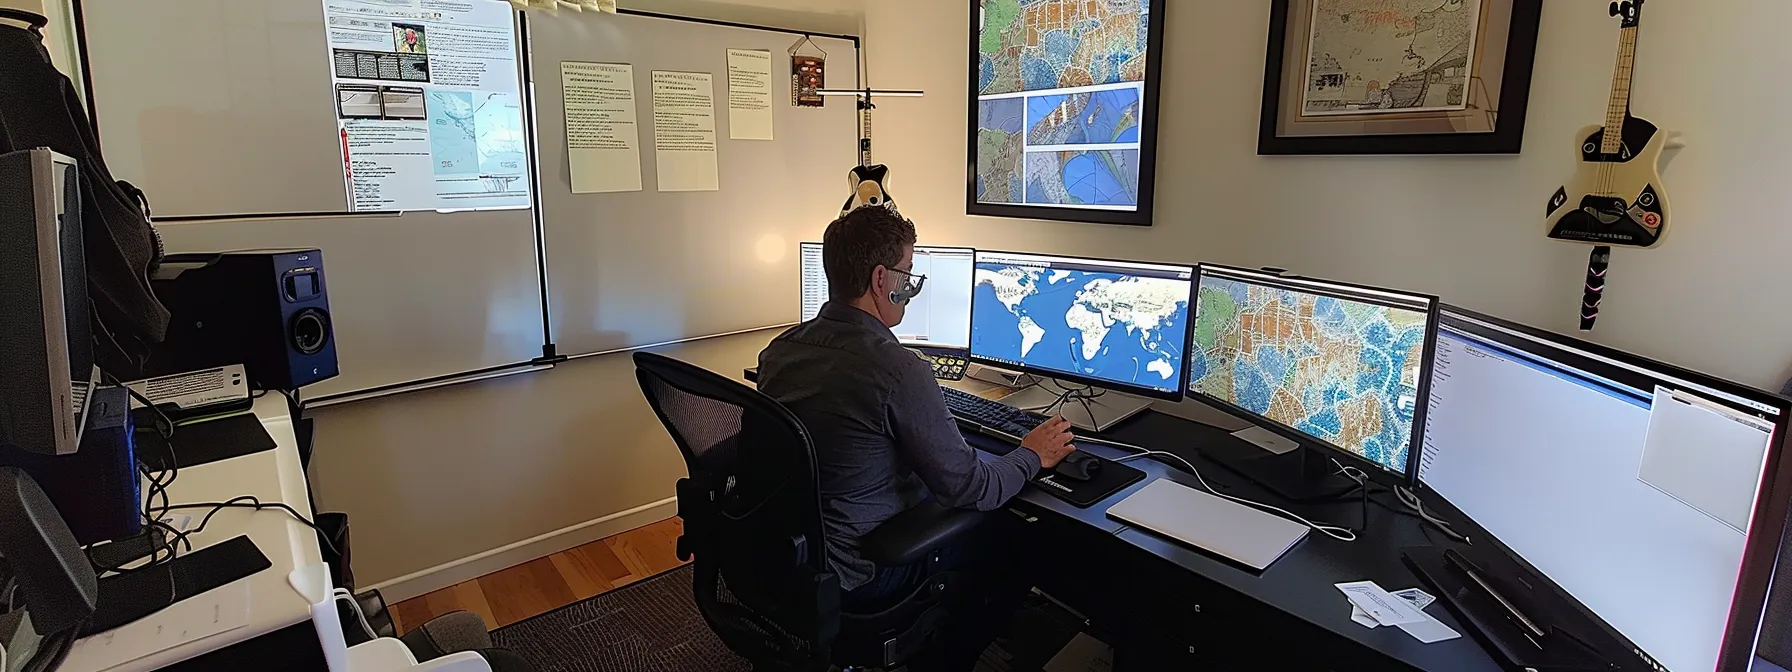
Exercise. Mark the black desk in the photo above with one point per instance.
(1218, 613)
(1217, 609)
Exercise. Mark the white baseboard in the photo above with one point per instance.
(466, 569)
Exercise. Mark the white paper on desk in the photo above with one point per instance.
(209, 613)
(1380, 604)
(1418, 598)
(1363, 618)
(1429, 630)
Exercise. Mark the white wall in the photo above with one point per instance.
(1467, 228)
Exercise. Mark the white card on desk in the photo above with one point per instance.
(189, 620)
(1380, 604)
(1429, 630)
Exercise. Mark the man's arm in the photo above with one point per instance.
(929, 441)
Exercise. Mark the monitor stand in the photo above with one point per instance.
(1101, 415)
(1301, 474)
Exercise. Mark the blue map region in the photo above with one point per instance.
(453, 132)
(1344, 371)
(1035, 45)
(1110, 116)
(1123, 351)
(1107, 177)
(1000, 146)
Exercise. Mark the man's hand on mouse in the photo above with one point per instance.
(1051, 441)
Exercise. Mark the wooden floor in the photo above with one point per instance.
(539, 586)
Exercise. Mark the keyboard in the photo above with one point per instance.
(990, 414)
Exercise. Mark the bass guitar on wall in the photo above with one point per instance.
(1616, 198)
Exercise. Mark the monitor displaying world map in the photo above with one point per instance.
(1339, 369)
(1122, 325)
(1061, 106)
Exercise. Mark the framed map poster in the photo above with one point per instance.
(1398, 76)
(1063, 109)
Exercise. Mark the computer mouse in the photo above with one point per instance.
(1079, 466)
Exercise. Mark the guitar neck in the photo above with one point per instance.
(1618, 108)
(864, 134)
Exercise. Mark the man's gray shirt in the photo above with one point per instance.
(883, 437)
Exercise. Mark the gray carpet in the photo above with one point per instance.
(653, 626)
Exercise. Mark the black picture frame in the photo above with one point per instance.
(1141, 216)
(1507, 138)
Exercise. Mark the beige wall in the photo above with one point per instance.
(841, 17)
(1468, 228)
(433, 477)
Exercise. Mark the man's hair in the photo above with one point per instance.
(857, 243)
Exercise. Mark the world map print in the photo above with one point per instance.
(1390, 56)
(1341, 370)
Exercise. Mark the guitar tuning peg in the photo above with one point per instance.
(1615, 9)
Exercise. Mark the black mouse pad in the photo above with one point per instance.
(204, 442)
(1112, 478)
(127, 597)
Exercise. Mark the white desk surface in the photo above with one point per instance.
(273, 476)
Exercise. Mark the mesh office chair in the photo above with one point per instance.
(752, 519)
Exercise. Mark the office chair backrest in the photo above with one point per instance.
(751, 511)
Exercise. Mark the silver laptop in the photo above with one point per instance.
(1225, 528)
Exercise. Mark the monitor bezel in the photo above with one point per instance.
(1124, 388)
(918, 249)
(1349, 292)
(1148, 139)
(1760, 551)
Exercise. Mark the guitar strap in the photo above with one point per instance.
(1597, 265)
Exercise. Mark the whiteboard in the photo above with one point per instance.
(412, 296)
(640, 268)
(217, 107)
(224, 108)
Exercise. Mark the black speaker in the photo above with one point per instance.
(267, 310)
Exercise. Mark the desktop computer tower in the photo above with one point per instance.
(46, 342)
(267, 310)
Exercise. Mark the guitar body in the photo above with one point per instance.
(1615, 198)
(869, 187)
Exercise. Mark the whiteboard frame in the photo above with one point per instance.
(549, 356)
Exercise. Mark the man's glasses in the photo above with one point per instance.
(910, 289)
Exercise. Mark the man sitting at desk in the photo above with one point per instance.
(883, 437)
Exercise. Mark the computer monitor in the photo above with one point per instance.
(1631, 486)
(1117, 325)
(48, 368)
(1332, 366)
(940, 317)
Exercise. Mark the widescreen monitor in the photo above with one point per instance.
(940, 317)
(1120, 325)
(1336, 365)
(1630, 485)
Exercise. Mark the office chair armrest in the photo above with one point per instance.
(908, 538)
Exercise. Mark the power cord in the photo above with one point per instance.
(1340, 533)
(1411, 501)
(252, 502)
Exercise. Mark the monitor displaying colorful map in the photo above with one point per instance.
(1061, 93)
(1118, 324)
(1341, 370)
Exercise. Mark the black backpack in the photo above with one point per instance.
(40, 108)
